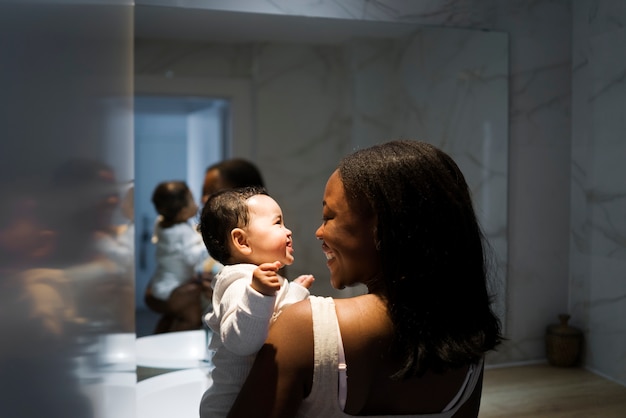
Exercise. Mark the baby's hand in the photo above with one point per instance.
(305, 280)
(265, 279)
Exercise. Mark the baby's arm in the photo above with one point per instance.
(265, 278)
(298, 290)
(244, 316)
(306, 280)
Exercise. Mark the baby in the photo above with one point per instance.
(180, 251)
(244, 230)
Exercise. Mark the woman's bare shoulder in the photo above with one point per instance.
(293, 321)
(366, 311)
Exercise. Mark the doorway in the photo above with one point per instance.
(176, 138)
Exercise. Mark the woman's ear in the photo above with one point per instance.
(239, 239)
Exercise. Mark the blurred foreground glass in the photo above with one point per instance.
(66, 274)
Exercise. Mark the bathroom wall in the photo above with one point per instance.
(314, 103)
(598, 182)
(565, 176)
(567, 196)
(539, 34)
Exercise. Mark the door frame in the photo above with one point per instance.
(240, 117)
(237, 91)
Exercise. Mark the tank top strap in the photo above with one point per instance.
(325, 327)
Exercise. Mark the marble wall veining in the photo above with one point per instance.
(317, 103)
(303, 126)
(565, 223)
(314, 103)
(319, 74)
(598, 202)
(448, 87)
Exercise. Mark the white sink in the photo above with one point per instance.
(112, 395)
(117, 352)
(174, 350)
(172, 395)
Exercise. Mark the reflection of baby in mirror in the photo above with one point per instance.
(180, 251)
(27, 249)
(118, 244)
(126, 231)
(26, 239)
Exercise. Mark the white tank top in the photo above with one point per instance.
(329, 390)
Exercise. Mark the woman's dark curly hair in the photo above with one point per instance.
(434, 269)
(224, 211)
(238, 172)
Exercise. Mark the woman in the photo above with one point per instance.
(398, 218)
(229, 174)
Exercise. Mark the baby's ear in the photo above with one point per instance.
(239, 239)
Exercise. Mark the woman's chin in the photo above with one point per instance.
(338, 286)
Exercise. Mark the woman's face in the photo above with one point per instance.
(347, 238)
(213, 182)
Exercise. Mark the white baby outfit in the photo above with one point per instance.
(239, 321)
(180, 253)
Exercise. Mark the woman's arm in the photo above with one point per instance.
(282, 374)
(185, 294)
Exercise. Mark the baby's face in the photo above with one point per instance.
(268, 237)
(190, 210)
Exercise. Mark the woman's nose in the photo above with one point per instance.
(319, 232)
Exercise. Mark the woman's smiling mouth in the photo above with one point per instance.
(327, 252)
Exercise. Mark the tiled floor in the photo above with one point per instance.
(541, 391)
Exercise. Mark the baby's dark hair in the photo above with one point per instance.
(169, 198)
(223, 212)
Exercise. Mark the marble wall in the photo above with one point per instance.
(598, 201)
(448, 87)
(563, 159)
(314, 103)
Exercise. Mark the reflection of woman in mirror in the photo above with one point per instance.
(229, 174)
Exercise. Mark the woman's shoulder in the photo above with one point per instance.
(297, 312)
(364, 316)
(368, 307)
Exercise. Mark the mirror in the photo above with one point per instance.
(313, 89)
